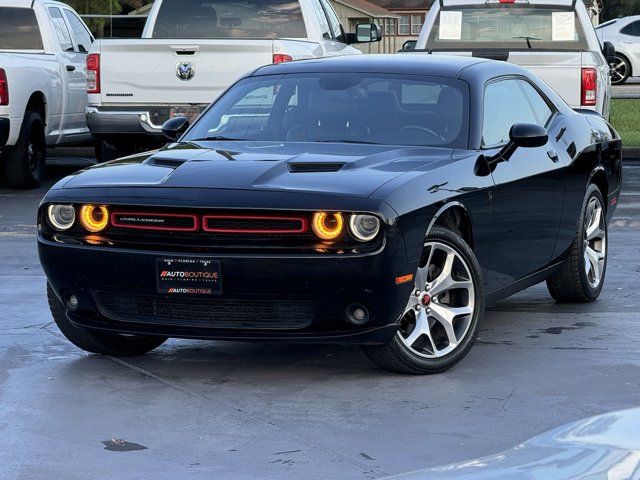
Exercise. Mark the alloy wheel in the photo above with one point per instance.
(619, 70)
(440, 310)
(595, 242)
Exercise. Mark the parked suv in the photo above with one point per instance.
(624, 34)
(554, 39)
(43, 46)
(191, 51)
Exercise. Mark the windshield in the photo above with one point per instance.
(507, 26)
(229, 19)
(339, 107)
(19, 29)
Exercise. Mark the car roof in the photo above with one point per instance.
(418, 63)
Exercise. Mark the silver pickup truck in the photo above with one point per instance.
(553, 38)
(191, 51)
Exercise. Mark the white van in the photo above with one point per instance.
(553, 38)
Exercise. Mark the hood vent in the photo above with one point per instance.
(307, 167)
(166, 162)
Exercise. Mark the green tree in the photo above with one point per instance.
(619, 8)
(103, 7)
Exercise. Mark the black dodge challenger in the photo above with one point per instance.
(379, 200)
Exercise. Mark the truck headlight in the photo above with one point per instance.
(61, 217)
(364, 228)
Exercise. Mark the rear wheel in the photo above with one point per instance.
(581, 277)
(24, 163)
(441, 320)
(117, 345)
(620, 70)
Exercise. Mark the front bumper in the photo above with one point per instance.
(5, 128)
(138, 121)
(116, 289)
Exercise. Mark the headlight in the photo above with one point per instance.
(94, 218)
(327, 225)
(61, 217)
(364, 227)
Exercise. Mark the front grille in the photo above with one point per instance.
(212, 312)
(249, 224)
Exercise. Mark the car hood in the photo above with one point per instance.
(605, 446)
(347, 169)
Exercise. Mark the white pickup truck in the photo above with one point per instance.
(191, 51)
(43, 48)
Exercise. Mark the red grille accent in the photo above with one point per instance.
(247, 224)
(166, 222)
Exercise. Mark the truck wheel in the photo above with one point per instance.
(23, 164)
(581, 277)
(442, 319)
(98, 342)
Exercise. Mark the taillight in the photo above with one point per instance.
(93, 73)
(281, 58)
(589, 86)
(4, 88)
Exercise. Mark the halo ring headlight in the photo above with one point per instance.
(61, 217)
(94, 218)
(363, 227)
(327, 225)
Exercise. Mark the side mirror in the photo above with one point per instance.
(173, 128)
(528, 135)
(368, 33)
(609, 52)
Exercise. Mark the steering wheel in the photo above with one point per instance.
(426, 130)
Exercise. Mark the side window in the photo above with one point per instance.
(538, 105)
(505, 104)
(334, 21)
(632, 29)
(62, 32)
(325, 29)
(81, 34)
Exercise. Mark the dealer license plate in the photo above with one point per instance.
(188, 276)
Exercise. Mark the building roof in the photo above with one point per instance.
(369, 8)
(404, 4)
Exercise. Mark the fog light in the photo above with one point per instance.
(72, 302)
(357, 314)
(94, 218)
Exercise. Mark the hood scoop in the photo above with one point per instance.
(166, 162)
(317, 167)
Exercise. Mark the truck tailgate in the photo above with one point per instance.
(145, 71)
(560, 70)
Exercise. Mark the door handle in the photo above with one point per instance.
(71, 68)
(553, 155)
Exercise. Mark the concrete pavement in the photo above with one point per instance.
(254, 411)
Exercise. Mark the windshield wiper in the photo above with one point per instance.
(528, 39)
(347, 141)
(221, 138)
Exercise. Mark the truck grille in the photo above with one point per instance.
(212, 312)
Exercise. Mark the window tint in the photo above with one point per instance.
(325, 29)
(632, 29)
(506, 103)
(81, 34)
(334, 22)
(62, 32)
(229, 19)
(19, 29)
(332, 107)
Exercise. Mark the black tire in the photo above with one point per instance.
(571, 282)
(621, 70)
(24, 163)
(397, 357)
(99, 342)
